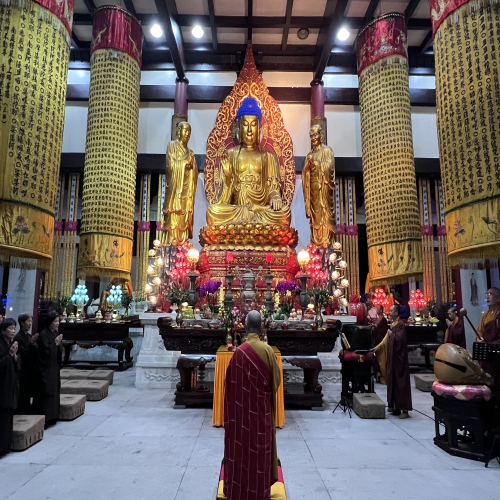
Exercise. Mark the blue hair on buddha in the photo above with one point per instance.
(249, 107)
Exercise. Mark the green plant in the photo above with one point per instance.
(62, 303)
(321, 296)
(126, 301)
(176, 293)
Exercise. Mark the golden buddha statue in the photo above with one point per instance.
(182, 177)
(127, 289)
(251, 186)
(318, 181)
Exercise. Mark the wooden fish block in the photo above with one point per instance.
(368, 405)
(28, 430)
(72, 406)
(95, 390)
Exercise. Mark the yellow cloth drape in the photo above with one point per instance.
(221, 363)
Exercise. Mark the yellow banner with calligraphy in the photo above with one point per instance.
(468, 115)
(107, 227)
(392, 218)
(33, 77)
(106, 252)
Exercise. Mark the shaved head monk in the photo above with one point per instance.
(252, 379)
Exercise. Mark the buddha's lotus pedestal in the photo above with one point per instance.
(213, 264)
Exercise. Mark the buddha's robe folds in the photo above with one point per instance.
(318, 181)
(178, 207)
(250, 458)
(455, 334)
(398, 369)
(251, 180)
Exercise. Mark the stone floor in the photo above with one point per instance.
(134, 445)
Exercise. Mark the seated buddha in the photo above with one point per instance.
(250, 189)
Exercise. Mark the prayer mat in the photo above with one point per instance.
(277, 489)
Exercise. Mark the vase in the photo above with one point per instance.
(358, 310)
(180, 317)
(319, 319)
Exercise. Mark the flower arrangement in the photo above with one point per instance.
(79, 299)
(176, 293)
(114, 298)
(321, 296)
(209, 290)
(284, 297)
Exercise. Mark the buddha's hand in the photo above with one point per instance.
(276, 204)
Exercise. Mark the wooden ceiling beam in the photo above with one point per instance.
(427, 42)
(370, 11)
(213, 28)
(90, 6)
(334, 14)
(410, 9)
(286, 29)
(173, 35)
(250, 19)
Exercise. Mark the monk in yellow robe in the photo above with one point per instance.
(251, 187)
(182, 177)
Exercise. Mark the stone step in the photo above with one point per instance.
(72, 406)
(77, 374)
(28, 430)
(368, 405)
(95, 390)
(424, 381)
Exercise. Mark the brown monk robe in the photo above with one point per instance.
(28, 352)
(489, 330)
(9, 381)
(398, 368)
(378, 333)
(252, 380)
(49, 366)
(455, 334)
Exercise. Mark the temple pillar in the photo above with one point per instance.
(107, 226)
(318, 106)
(180, 105)
(466, 49)
(392, 219)
(36, 38)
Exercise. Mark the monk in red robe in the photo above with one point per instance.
(252, 379)
(489, 330)
(378, 334)
(395, 345)
(455, 334)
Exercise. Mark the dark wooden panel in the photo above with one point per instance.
(211, 94)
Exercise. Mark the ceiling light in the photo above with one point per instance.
(343, 34)
(197, 31)
(303, 33)
(156, 30)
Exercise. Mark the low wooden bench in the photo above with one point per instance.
(94, 390)
(77, 374)
(72, 406)
(28, 430)
(368, 405)
(424, 381)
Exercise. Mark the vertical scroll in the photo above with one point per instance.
(142, 242)
(392, 220)
(69, 244)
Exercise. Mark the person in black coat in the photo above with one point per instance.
(49, 365)
(28, 352)
(9, 381)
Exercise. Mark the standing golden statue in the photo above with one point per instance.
(182, 177)
(251, 187)
(318, 181)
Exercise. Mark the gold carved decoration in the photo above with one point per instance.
(274, 135)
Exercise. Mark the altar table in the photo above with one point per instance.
(221, 363)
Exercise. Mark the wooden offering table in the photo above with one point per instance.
(88, 334)
(221, 364)
(198, 346)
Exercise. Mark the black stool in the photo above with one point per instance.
(468, 426)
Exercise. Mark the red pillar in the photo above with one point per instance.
(317, 100)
